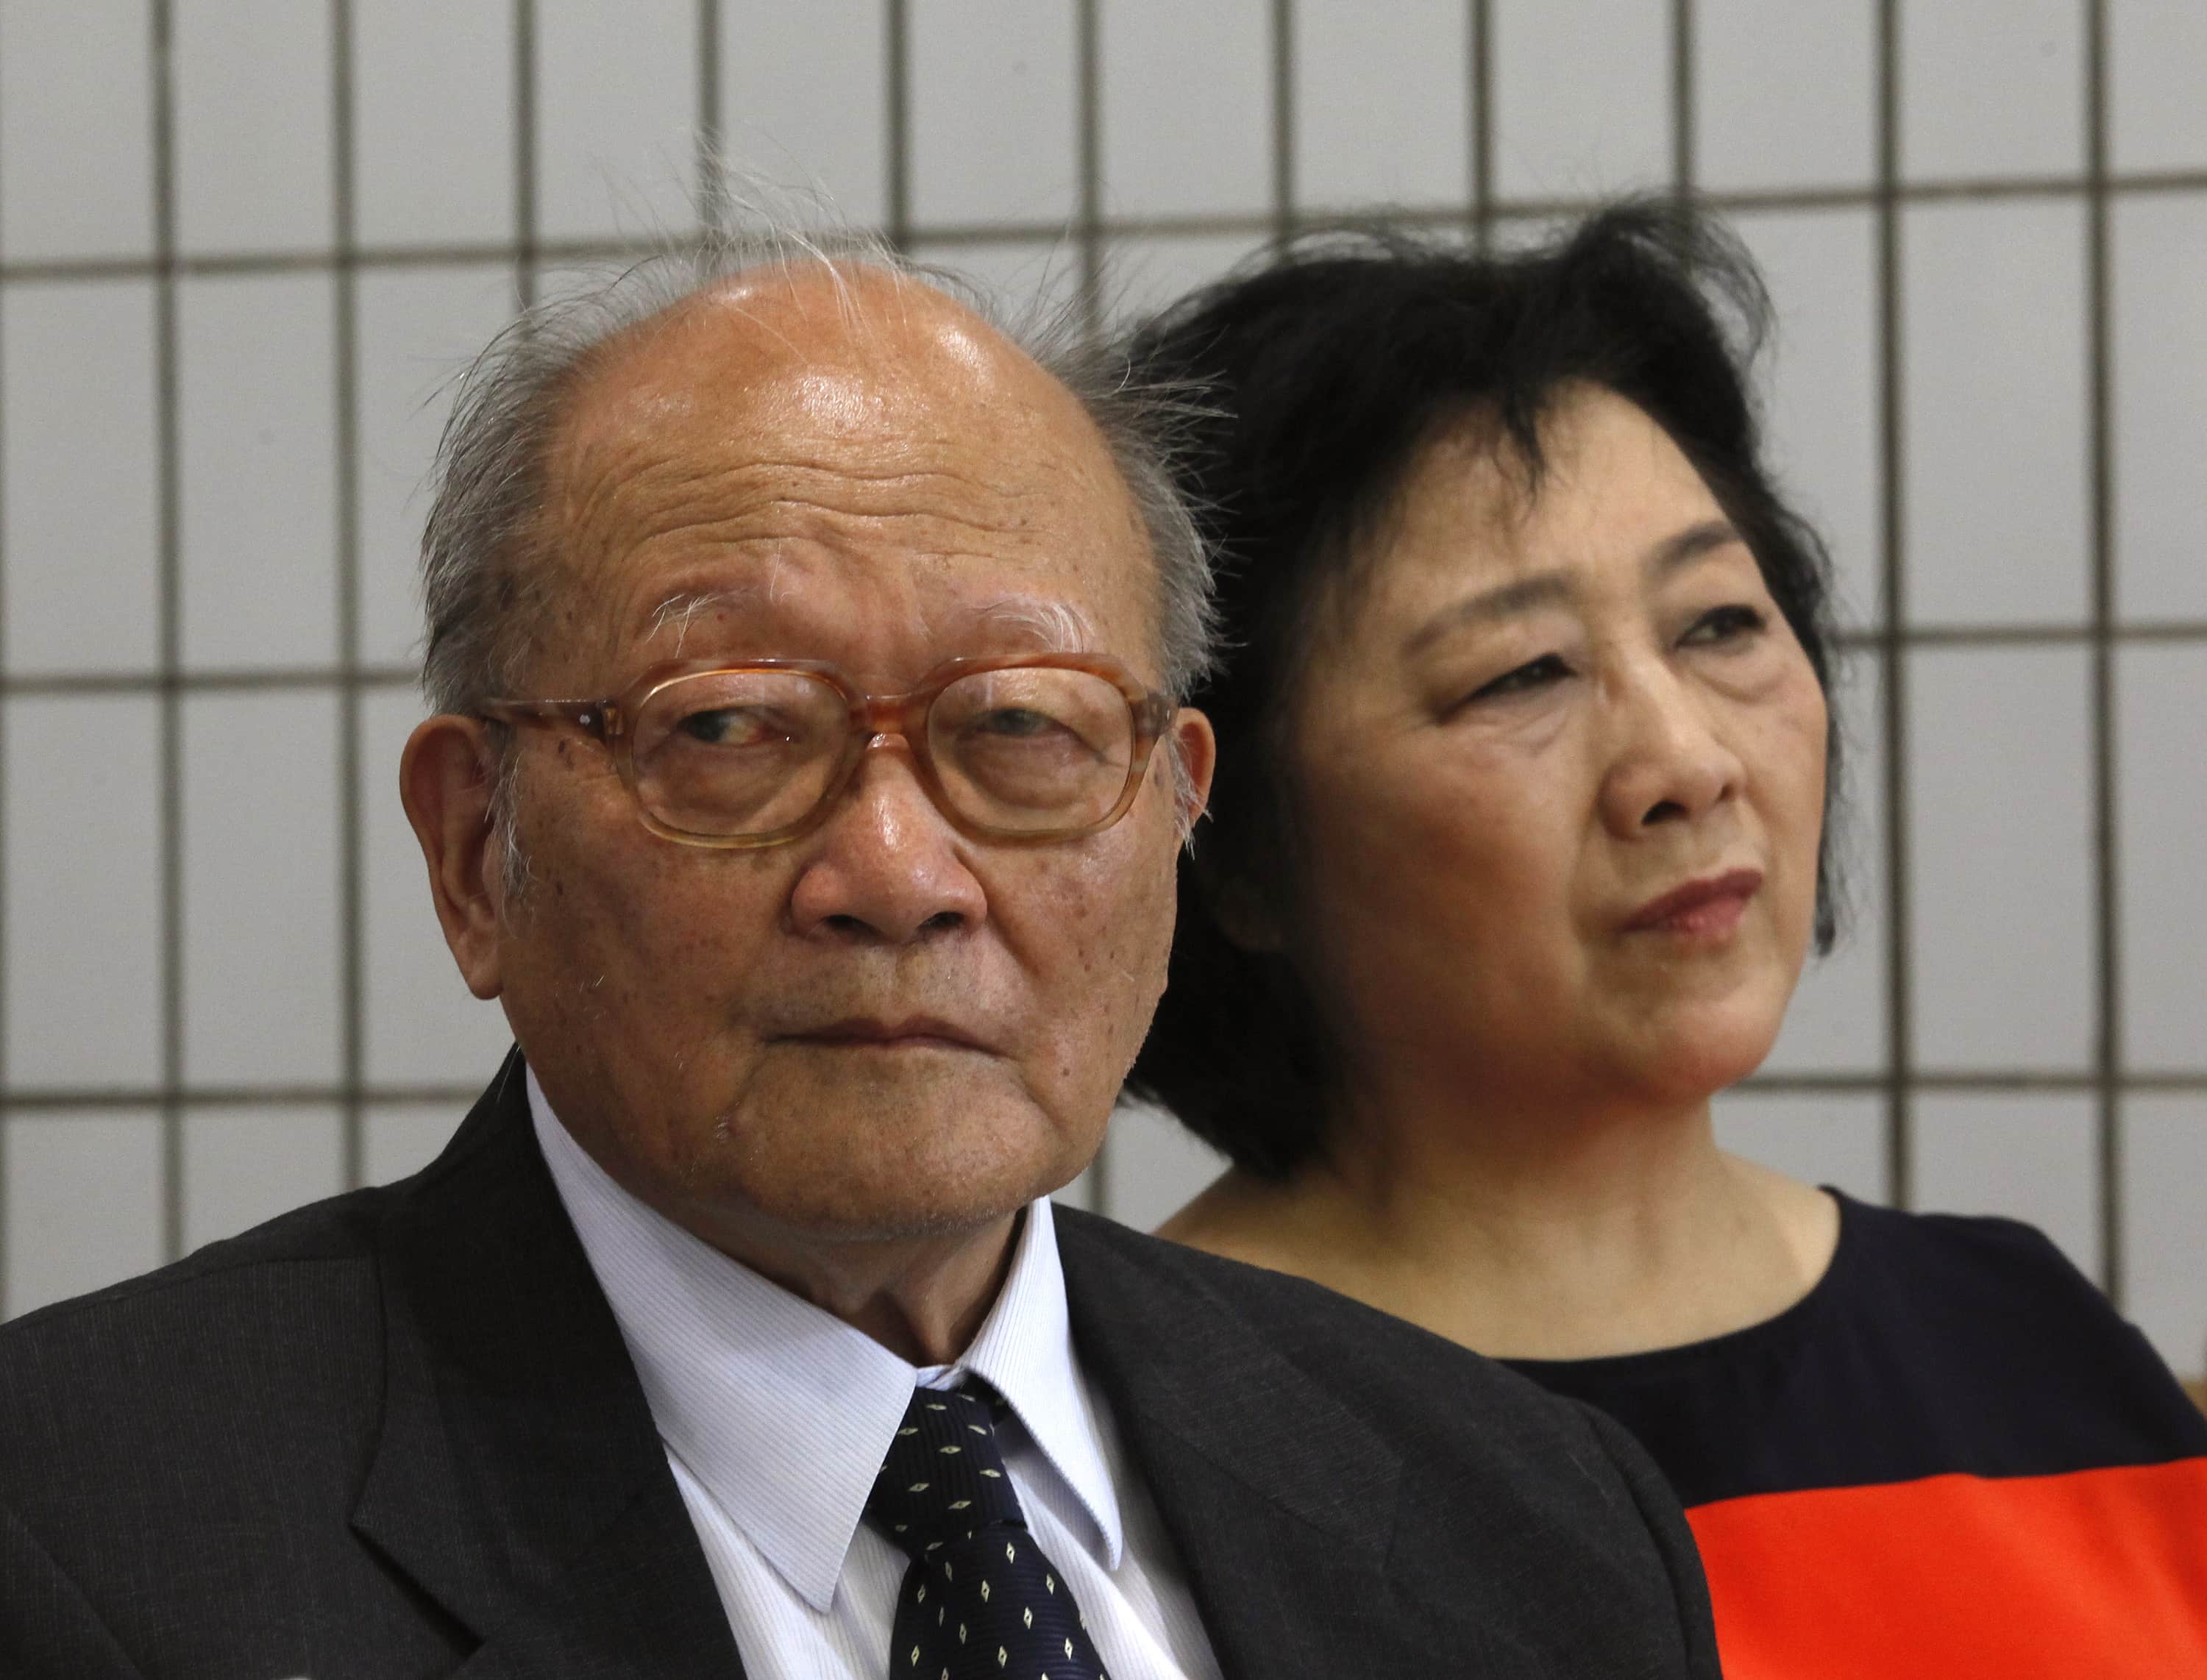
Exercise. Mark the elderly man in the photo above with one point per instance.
(805, 785)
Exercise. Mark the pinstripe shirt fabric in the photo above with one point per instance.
(775, 1416)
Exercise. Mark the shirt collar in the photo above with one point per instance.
(781, 1411)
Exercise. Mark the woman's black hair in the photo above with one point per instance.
(1322, 372)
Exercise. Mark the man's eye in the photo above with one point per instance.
(733, 726)
(1724, 624)
(1013, 722)
(1548, 669)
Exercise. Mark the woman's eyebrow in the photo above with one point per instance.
(1503, 601)
(1674, 553)
(1547, 589)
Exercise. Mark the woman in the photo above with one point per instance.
(1517, 848)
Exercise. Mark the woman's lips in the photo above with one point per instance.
(1707, 908)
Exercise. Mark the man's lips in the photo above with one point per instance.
(904, 1032)
(1711, 904)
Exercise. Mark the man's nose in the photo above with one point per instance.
(1669, 762)
(886, 864)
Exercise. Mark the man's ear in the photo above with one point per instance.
(1195, 747)
(446, 779)
(1243, 912)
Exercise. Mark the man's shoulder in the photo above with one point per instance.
(246, 1328)
(1245, 1394)
(336, 1230)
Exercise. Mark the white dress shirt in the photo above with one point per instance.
(776, 1416)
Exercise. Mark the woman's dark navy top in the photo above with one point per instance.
(1951, 1458)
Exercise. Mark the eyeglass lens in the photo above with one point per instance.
(1027, 750)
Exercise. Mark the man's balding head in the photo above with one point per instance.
(797, 980)
(485, 586)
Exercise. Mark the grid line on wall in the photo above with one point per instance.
(1892, 643)
(169, 475)
(712, 180)
(2107, 1042)
(1682, 172)
(1283, 118)
(1088, 155)
(1976, 1082)
(6, 723)
(526, 253)
(896, 65)
(1481, 139)
(1252, 225)
(1893, 652)
(345, 388)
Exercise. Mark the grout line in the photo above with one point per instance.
(525, 252)
(1283, 118)
(896, 63)
(351, 848)
(1088, 140)
(712, 179)
(168, 472)
(1984, 1081)
(1683, 117)
(229, 679)
(1979, 1079)
(1892, 589)
(61, 1100)
(555, 251)
(2025, 635)
(1482, 106)
(213, 680)
(2108, 882)
(5, 720)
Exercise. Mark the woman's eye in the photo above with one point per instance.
(1535, 673)
(1724, 624)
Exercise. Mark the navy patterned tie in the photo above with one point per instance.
(980, 1601)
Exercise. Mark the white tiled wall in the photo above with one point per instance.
(196, 1031)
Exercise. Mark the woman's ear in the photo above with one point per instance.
(1245, 915)
(1242, 907)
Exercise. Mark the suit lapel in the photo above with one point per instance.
(1277, 1496)
(518, 1479)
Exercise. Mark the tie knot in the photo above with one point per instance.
(944, 1479)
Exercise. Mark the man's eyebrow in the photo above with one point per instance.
(1056, 626)
(678, 609)
(1059, 626)
(1547, 589)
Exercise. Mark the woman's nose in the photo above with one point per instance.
(1670, 761)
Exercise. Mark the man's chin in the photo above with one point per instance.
(932, 1160)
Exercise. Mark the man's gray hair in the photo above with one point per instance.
(487, 564)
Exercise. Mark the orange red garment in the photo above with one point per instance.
(2097, 1572)
(1952, 1459)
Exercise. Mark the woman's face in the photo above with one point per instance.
(1560, 769)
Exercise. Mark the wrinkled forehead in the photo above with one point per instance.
(718, 453)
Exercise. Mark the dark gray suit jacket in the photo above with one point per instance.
(398, 1434)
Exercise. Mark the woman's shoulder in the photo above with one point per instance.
(1964, 1259)
(1986, 1318)
(1934, 1343)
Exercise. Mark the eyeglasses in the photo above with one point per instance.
(1024, 750)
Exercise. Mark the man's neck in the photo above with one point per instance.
(922, 1298)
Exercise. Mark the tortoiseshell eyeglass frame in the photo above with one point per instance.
(870, 716)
